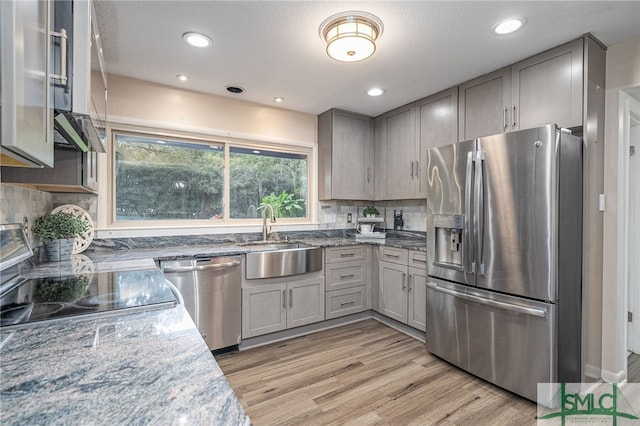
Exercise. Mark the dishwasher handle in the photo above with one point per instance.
(203, 267)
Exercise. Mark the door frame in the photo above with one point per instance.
(629, 106)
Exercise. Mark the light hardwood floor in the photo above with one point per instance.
(364, 373)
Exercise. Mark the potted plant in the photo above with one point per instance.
(58, 231)
(371, 211)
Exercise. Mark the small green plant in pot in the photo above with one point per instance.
(58, 231)
(371, 211)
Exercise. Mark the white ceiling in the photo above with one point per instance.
(273, 48)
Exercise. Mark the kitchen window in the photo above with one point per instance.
(180, 181)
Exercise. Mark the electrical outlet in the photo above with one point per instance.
(25, 225)
(349, 218)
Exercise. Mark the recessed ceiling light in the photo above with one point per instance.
(375, 91)
(278, 99)
(235, 89)
(182, 77)
(255, 151)
(509, 26)
(161, 142)
(197, 39)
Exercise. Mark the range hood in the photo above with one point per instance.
(76, 130)
(79, 108)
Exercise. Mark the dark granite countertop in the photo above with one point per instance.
(145, 368)
(142, 368)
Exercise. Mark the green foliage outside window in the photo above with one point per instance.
(284, 204)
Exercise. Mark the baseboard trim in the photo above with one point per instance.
(592, 371)
(291, 333)
(401, 327)
(611, 377)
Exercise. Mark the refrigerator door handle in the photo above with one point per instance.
(540, 313)
(467, 247)
(479, 212)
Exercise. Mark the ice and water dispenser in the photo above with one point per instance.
(448, 247)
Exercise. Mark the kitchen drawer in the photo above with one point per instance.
(345, 274)
(418, 259)
(344, 254)
(394, 255)
(346, 301)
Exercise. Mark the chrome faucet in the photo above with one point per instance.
(266, 233)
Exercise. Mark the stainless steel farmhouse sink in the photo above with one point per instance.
(277, 259)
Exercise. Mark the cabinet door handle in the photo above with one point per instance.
(410, 276)
(412, 170)
(291, 297)
(417, 169)
(504, 119)
(513, 107)
(404, 284)
(63, 55)
(368, 176)
(284, 299)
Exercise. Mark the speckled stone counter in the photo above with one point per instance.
(145, 368)
(167, 248)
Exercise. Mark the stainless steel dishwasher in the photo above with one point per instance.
(211, 288)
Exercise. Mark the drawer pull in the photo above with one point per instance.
(351, 302)
(392, 255)
(347, 254)
(346, 276)
(419, 260)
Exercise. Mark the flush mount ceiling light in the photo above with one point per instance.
(351, 36)
(197, 39)
(509, 26)
(375, 91)
(182, 77)
(278, 99)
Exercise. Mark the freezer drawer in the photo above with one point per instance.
(509, 341)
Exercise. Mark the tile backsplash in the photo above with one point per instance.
(333, 214)
(17, 202)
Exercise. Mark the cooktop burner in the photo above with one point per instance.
(45, 299)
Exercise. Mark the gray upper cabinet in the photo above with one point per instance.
(548, 88)
(397, 154)
(346, 152)
(543, 89)
(26, 131)
(437, 125)
(485, 105)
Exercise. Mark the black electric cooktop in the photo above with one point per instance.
(43, 299)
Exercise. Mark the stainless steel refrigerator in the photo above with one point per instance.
(504, 245)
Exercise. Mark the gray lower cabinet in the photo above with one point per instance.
(347, 271)
(403, 286)
(267, 308)
(417, 299)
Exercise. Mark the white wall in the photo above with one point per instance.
(623, 71)
(145, 104)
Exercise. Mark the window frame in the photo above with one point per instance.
(196, 138)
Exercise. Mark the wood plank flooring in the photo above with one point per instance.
(361, 374)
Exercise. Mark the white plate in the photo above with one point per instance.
(83, 241)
